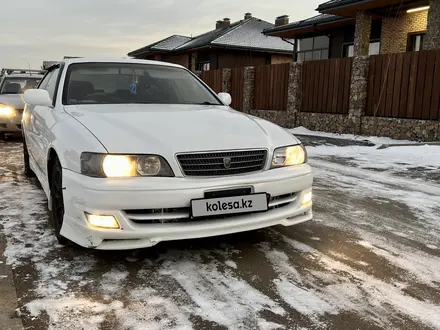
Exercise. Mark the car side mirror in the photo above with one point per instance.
(225, 98)
(37, 97)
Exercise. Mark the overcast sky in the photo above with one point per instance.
(35, 30)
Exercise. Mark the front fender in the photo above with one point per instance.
(69, 139)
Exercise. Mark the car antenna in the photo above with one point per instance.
(29, 65)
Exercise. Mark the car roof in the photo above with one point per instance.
(117, 60)
(23, 75)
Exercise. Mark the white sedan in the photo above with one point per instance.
(133, 152)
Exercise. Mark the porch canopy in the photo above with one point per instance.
(321, 22)
(379, 8)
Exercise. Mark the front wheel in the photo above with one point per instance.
(56, 192)
(27, 168)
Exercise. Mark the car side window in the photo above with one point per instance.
(52, 83)
(45, 80)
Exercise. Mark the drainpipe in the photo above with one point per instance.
(294, 47)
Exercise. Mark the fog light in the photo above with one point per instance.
(307, 198)
(103, 221)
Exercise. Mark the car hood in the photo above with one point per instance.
(12, 100)
(170, 129)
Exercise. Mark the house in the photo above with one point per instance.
(391, 26)
(229, 45)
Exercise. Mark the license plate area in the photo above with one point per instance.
(224, 206)
(228, 192)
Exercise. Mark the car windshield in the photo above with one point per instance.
(122, 83)
(18, 85)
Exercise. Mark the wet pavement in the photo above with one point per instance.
(369, 260)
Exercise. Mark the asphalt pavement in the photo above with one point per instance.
(369, 260)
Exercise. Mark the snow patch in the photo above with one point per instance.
(373, 139)
(220, 297)
(64, 312)
(231, 264)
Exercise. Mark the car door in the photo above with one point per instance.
(29, 121)
(43, 122)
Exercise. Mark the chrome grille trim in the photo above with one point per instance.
(211, 164)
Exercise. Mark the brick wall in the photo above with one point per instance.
(395, 31)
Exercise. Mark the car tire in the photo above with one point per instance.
(56, 193)
(27, 169)
(2, 136)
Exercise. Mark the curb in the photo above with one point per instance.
(416, 144)
(366, 143)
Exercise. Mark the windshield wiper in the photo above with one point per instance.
(206, 103)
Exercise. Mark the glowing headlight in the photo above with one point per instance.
(6, 111)
(122, 166)
(118, 166)
(289, 156)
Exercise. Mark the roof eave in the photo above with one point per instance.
(302, 27)
(323, 8)
(263, 50)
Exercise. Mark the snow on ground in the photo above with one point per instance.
(396, 158)
(373, 139)
(370, 258)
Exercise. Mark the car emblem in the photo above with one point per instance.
(227, 162)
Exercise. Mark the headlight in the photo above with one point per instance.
(120, 166)
(6, 111)
(289, 156)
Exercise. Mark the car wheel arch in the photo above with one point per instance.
(51, 157)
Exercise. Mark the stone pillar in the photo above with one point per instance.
(226, 78)
(193, 61)
(294, 94)
(358, 93)
(432, 37)
(248, 89)
(362, 34)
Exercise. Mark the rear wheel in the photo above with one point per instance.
(27, 169)
(56, 192)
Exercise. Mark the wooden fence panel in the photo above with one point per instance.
(326, 86)
(271, 85)
(405, 85)
(237, 88)
(214, 79)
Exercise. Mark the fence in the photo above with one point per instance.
(405, 85)
(271, 85)
(326, 86)
(214, 79)
(237, 88)
(323, 97)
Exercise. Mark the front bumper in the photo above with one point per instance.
(11, 124)
(120, 197)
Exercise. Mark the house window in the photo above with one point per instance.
(315, 48)
(203, 66)
(374, 49)
(415, 42)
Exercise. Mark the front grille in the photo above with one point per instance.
(222, 163)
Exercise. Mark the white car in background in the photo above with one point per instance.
(12, 86)
(132, 152)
